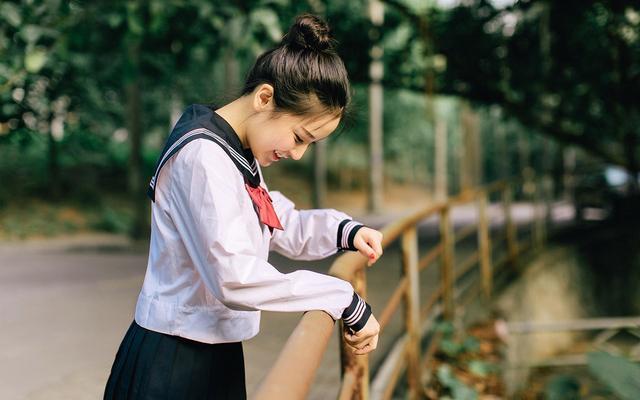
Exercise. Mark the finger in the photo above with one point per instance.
(372, 345)
(377, 247)
(367, 349)
(364, 343)
(367, 251)
(351, 339)
(374, 342)
(355, 340)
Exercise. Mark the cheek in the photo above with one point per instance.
(281, 142)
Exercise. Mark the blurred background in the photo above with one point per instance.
(448, 95)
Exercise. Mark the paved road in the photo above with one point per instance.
(66, 303)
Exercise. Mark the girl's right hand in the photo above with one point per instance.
(366, 339)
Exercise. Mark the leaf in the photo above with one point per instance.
(11, 14)
(134, 19)
(114, 20)
(459, 390)
(445, 376)
(269, 20)
(31, 33)
(620, 374)
(398, 39)
(479, 368)
(450, 347)
(562, 387)
(471, 344)
(35, 59)
(444, 327)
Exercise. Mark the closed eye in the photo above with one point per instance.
(298, 139)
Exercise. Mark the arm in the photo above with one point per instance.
(205, 205)
(311, 234)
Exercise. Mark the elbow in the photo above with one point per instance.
(233, 298)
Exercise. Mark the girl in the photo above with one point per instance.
(214, 222)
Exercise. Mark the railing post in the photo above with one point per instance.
(484, 243)
(510, 227)
(412, 311)
(357, 365)
(446, 266)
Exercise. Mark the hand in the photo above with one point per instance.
(368, 242)
(366, 339)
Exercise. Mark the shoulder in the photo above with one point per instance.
(205, 159)
(204, 152)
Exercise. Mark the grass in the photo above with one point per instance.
(37, 218)
(27, 218)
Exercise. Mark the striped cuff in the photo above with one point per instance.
(346, 233)
(357, 314)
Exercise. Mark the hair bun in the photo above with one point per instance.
(309, 32)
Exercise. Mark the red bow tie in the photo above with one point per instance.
(262, 201)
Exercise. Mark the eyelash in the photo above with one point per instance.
(297, 139)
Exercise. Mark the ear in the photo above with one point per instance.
(263, 98)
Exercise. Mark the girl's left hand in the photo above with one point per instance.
(368, 242)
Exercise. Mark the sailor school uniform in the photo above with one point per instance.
(213, 224)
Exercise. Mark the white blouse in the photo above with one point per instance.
(208, 277)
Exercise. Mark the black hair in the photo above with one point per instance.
(303, 69)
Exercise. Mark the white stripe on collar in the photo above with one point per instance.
(243, 161)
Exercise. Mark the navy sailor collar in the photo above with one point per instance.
(200, 121)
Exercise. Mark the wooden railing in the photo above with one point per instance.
(406, 355)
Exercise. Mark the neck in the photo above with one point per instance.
(236, 114)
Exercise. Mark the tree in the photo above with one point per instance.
(570, 69)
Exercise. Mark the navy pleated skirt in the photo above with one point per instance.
(153, 365)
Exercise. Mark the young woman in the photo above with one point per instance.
(214, 223)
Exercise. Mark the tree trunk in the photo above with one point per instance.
(441, 186)
(376, 72)
(631, 142)
(54, 164)
(468, 152)
(137, 188)
(231, 70)
(320, 174)
(569, 165)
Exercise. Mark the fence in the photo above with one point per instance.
(407, 354)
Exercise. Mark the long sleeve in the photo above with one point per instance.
(209, 210)
(311, 234)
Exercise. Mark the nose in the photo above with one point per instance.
(298, 151)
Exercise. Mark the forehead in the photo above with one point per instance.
(318, 123)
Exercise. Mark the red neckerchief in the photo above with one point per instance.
(262, 201)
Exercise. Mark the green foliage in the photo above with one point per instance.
(454, 347)
(562, 387)
(458, 389)
(620, 374)
(459, 356)
(69, 63)
(481, 368)
(111, 220)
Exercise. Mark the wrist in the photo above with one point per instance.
(356, 315)
(347, 231)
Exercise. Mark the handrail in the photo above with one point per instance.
(304, 350)
(315, 327)
(352, 267)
